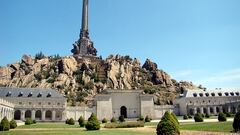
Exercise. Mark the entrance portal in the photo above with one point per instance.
(124, 111)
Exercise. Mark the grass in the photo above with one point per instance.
(48, 125)
(213, 127)
(73, 132)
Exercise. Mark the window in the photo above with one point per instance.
(195, 94)
(39, 103)
(220, 94)
(213, 94)
(49, 103)
(201, 94)
(30, 103)
(237, 93)
(58, 104)
(232, 93)
(20, 103)
(207, 94)
(226, 93)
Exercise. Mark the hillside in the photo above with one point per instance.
(82, 78)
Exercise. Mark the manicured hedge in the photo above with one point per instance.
(113, 120)
(198, 117)
(13, 124)
(4, 125)
(185, 117)
(104, 120)
(125, 124)
(222, 117)
(93, 123)
(81, 121)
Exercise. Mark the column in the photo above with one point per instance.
(23, 115)
(53, 115)
(220, 109)
(43, 115)
(33, 114)
(214, 110)
(229, 109)
(201, 110)
(208, 110)
(195, 110)
(236, 109)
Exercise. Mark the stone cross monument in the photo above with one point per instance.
(84, 46)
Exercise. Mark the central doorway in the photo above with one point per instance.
(124, 111)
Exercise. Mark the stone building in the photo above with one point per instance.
(39, 104)
(209, 101)
(6, 109)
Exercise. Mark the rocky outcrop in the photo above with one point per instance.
(79, 78)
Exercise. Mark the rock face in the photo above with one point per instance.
(81, 79)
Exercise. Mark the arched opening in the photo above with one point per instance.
(17, 115)
(38, 115)
(238, 109)
(58, 115)
(211, 110)
(124, 111)
(191, 111)
(218, 110)
(28, 114)
(205, 111)
(48, 115)
(233, 109)
(198, 110)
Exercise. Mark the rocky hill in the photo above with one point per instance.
(82, 78)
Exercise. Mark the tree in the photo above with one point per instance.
(168, 125)
(236, 122)
(175, 118)
(39, 56)
(222, 117)
(71, 121)
(93, 123)
(13, 124)
(81, 121)
(4, 125)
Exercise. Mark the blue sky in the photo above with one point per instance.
(193, 40)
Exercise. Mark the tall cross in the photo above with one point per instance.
(84, 29)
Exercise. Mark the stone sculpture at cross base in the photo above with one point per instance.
(84, 46)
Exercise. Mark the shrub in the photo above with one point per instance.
(147, 119)
(189, 116)
(67, 121)
(4, 125)
(236, 122)
(185, 117)
(141, 118)
(222, 117)
(203, 115)
(125, 125)
(81, 121)
(93, 123)
(113, 120)
(13, 124)
(168, 125)
(39, 56)
(71, 121)
(228, 114)
(104, 120)
(207, 115)
(198, 117)
(34, 122)
(28, 121)
(121, 118)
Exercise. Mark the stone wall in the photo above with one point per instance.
(6, 109)
(159, 110)
(77, 112)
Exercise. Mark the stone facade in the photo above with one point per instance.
(39, 104)
(50, 105)
(6, 109)
(208, 101)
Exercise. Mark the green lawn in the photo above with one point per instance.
(214, 127)
(74, 132)
(49, 125)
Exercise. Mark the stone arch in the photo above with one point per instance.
(48, 115)
(58, 115)
(38, 115)
(123, 111)
(28, 114)
(17, 115)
